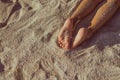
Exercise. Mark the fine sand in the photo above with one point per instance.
(28, 49)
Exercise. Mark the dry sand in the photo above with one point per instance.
(28, 49)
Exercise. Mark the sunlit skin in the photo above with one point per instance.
(66, 38)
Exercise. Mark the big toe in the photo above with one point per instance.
(67, 46)
(67, 42)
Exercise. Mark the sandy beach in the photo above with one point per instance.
(28, 43)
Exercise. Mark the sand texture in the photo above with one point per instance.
(28, 49)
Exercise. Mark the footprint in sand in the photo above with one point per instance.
(31, 4)
(10, 8)
(44, 2)
(13, 10)
(6, 1)
(39, 32)
(1, 47)
(1, 67)
(18, 74)
(46, 38)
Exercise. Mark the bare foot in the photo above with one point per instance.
(80, 37)
(65, 35)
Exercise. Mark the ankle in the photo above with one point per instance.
(74, 19)
(90, 32)
(92, 28)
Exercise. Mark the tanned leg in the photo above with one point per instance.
(85, 7)
(65, 35)
(103, 14)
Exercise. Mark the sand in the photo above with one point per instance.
(28, 49)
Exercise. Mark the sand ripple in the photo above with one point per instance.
(28, 49)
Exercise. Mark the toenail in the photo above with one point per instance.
(60, 45)
(69, 37)
(59, 42)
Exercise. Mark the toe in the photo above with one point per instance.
(67, 42)
(60, 40)
(67, 46)
(60, 45)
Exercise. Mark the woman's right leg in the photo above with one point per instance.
(104, 13)
(85, 7)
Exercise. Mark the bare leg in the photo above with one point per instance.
(85, 7)
(64, 37)
(102, 16)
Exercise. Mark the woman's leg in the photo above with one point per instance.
(64, 37)
(85, 7)
(102, 16)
